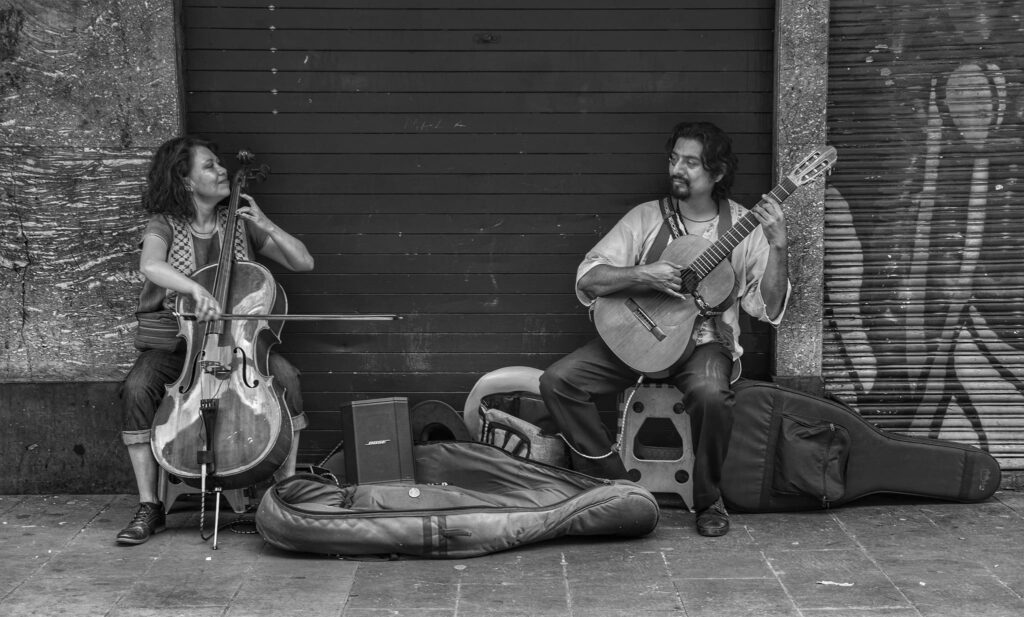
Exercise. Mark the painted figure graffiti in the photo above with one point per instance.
(924, 244)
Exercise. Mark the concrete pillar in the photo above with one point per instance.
(801, 90)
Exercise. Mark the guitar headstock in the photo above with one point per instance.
(817, 162)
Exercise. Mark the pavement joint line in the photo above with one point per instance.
(870, 609)
(995, 577)
(1009, 506)
(811, 550)
(349, 596)
(565, 581)
(458, 594)
(98, 514)
(50, 555)
(867, 555)
(16, 500)
(778, 579)
(750, 536)
(675, 587)
(924, 513)
(725, 578)
(250, 567)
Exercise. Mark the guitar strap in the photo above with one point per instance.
(670, 228)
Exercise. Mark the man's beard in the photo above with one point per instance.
(680, 190)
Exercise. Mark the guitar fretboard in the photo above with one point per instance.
(723, 247)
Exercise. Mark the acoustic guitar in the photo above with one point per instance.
(651, 331)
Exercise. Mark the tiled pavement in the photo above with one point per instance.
(879, 556)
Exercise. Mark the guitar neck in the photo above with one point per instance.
(723, 247)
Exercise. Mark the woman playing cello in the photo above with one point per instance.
(186, 186)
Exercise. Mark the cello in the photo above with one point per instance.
(223, 420)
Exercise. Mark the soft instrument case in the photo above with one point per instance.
(794, 451)
(468, 499)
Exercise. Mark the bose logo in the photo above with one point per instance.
(985, 475)
(378, 442)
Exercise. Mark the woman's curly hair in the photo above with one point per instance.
(717, 156)
(165, 191)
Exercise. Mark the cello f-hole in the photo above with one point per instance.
(245, 368)
(192, 374)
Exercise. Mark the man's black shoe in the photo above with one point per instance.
(149, 519)
(713, 521)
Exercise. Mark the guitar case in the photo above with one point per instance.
(468, 499)
(793, 451)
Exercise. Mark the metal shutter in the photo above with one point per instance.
(452, 164)
(923, 282)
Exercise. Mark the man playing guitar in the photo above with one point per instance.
(702, 168)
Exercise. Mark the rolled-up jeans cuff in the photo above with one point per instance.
(131, 438)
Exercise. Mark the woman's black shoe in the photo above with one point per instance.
(149, 519)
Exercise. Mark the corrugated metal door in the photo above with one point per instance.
(452, 164)
(925, 214)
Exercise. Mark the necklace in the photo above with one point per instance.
(679, 211)
(696, 221)
(201, 233)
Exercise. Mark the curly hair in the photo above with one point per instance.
(717, 156)
(165, 191)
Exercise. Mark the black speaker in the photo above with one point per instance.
(377, 441)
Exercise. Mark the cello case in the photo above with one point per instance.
(793, 451)
(468, 499)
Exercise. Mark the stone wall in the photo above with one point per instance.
(87, 90)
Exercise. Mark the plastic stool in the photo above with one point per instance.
(656, 468)
(169, 488)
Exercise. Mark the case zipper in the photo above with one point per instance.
(824, 468)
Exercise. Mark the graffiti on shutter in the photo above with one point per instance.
(924, 284)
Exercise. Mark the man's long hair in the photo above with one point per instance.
(717, 155)
(165, 191)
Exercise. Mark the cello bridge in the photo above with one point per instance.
(214, 368)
